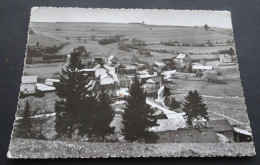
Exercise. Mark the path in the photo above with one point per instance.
(152, 103)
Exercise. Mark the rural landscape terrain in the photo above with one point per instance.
(173, 65)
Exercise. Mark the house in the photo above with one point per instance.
(169, 122)
(142, 78)
(153, 71)
(242, 135)
(88, 72)
(112, 60)
(127, 61)
(163, 92)
(100, 71)
(154, 82)
(34, 58)
(225, 58)
(183, 62)
(28, 85)
(52, 82)
(128, 71)
(94, 87)
(106, 79)
(220, 126)
(199, 69)
(124, 81)
(169, 64)
(187, 135)
(110, 89)
(159, 65)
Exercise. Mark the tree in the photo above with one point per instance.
(194, 108)
(174, 104)
(209, 43)
(206, 27)
(72, 92)
(231, 51)
(138, 117)
(37, 44)
(87, 117)
(210, 75)
(25, 125)
(103, 116)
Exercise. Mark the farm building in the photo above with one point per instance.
(199, 69)
(154, 82)
(114, 68)
(28, 85)
(112, 60)
(34, 58)
(225, 58)
(100, 71)
(142, 78)
(52, 82)
(183, 62)
(44, 88)
(220, 126)
(241, 135)
(169, 64)
(203, 135)
(127, 61)
(153, 71)
(159, 65)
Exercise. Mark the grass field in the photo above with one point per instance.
(28, 148)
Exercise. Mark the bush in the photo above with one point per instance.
(210, 76)
(110, 40)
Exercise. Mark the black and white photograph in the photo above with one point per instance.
(130, 83)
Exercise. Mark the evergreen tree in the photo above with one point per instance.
(72, 92)
(194, 107)
(103, 116)
(25, 125)
(138, 116)
(174, 104)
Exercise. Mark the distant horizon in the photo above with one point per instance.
(132, 23)
(188, 18)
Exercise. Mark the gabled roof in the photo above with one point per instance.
(203, 135)
(202, 67)
(225, 56)
(152, 68)
(155, 79)
(218, 125)
(159, 63)
(181, 56)
(105, 76)
(29, 79)
(112, 57)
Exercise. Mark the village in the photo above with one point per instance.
(115, 76)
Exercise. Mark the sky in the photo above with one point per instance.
(149, 16)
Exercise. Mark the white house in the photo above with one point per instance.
(225, 58)
(51, 82)
(199, 69)
(100, 71)
(106, 79)
(28, 85)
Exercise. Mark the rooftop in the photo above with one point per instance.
(218, 125)
(202, 67)
(29, 79)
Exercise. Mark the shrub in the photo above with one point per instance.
(110, 40)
